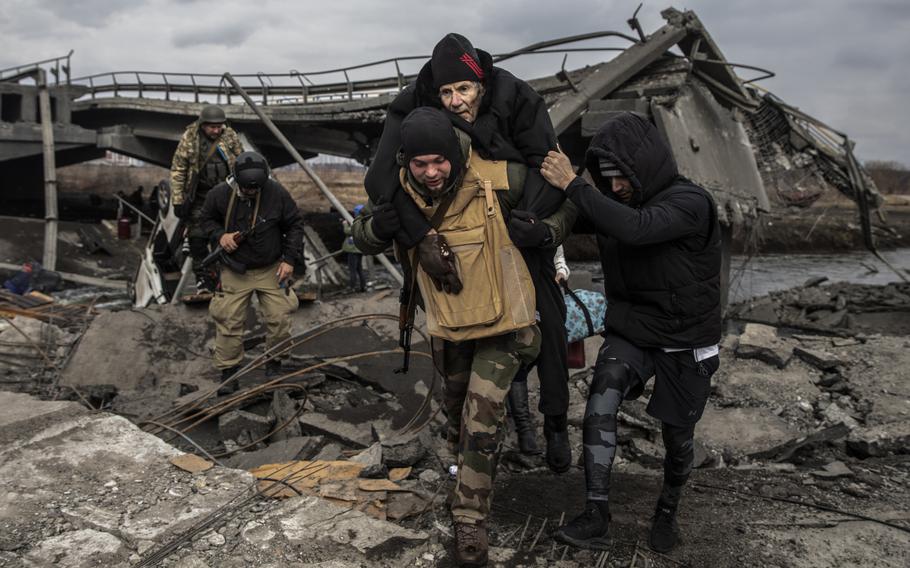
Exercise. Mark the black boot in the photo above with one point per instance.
(559, 453)
(231, 387)
(664, 529)
(273, 368)
(589, 529)
(521, 416)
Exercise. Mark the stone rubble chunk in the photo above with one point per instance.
(893, 437)
(404, 451)
(78, 549)
(283, 409)
(309, 518)
(759, 341)
(370, 456)
(818, 358)
(232, 424)
(834, 470)
(834, 414)
(277, 452)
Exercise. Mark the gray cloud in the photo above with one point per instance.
(88, 13)
(233, 35)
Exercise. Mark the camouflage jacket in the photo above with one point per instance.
(187, 160)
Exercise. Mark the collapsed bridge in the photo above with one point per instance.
(740, 142)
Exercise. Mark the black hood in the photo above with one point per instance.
(636, 146)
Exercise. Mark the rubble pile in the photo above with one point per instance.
(346, 466)
(839, 308)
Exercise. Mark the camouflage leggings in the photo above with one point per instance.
(478, 375)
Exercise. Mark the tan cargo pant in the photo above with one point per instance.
(228, 309)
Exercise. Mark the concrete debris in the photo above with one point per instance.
(791, 448)
(329, 452)
(762, 342)
(370, 456)
(191, 463)
(276, 452)
(353, 434)
(406, 450)
(834, 414)
(834, 470)
(817, 358)
(375, 471)
(310, 518)
(78, 549)
(236, 424)
(282, 411)
(881, 440)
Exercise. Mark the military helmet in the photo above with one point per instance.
(251, 171)
(212, 114)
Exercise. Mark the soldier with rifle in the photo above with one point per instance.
(258, 233)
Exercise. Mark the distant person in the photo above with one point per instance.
(203, 159)
(356, 279)
(260, 228)
(660, 246)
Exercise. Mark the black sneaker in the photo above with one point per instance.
(273, 368)
(589, 529)
(664, 529)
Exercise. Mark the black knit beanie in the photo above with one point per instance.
(455, 59)
(427, 130)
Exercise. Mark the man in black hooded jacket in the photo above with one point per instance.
(660, 247)
(506, 120)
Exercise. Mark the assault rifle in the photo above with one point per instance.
(224, 257)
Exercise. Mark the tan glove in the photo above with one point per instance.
(438, 261)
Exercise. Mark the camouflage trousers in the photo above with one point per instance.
(478, 374)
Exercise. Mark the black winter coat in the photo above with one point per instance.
(512, 125)
(662, 255)
(282, 239)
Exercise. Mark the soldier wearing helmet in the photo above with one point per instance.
(203, 159)
(255, 220)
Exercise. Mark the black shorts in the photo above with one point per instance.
(681, 384)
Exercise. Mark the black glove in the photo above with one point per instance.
(438, 261)
(182, 210)
(527, 231)
(385, 221)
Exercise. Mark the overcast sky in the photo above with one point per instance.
(842, 61)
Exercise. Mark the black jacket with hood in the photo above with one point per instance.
(282, 234)
(661, 254)
(512, 124)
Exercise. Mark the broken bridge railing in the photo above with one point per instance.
(54, 65)
(329, 85)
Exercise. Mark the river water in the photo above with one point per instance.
(761, 274)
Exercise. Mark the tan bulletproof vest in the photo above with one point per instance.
(498, 294)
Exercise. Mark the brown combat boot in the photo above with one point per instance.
(471, 545)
